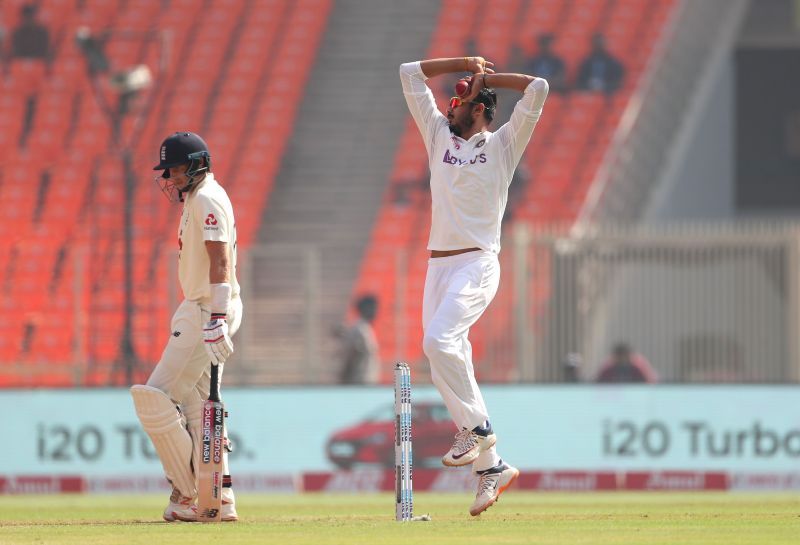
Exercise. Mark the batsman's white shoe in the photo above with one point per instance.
(179, 505)
(492, 483)
(229, 512)
(467, 446)
(189, 513)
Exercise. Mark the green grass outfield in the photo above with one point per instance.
(520, 517)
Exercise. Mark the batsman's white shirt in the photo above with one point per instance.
(207, 215)
(469, 178)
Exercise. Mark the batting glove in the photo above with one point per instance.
(217, 340)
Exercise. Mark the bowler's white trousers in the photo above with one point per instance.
(458, 289)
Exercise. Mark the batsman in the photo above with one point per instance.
(169, 406)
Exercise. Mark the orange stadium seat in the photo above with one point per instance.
(542, 17)
(54, 11)
(25, 76)
(53, 340)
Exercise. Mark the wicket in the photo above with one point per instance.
(404, 502)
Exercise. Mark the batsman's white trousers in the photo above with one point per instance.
(457, 291)
(183, 373)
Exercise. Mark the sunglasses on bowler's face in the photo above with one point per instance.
(455, 102)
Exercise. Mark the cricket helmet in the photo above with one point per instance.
(178, 149)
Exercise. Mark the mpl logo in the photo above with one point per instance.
(211, 220)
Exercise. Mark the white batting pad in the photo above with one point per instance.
(193, 410)
(161, 420)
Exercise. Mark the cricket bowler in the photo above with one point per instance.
(471, 169)
(169, 405)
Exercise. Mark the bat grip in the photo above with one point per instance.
(213, 393)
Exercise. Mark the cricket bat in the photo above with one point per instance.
(209, 474)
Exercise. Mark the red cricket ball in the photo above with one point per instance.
(462, 88)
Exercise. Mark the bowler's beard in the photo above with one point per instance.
(460, 128)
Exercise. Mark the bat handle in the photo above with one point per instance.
(213, 394)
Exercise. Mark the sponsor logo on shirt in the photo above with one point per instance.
(211, 220)
(453, 160)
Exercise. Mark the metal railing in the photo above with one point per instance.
(703, 303)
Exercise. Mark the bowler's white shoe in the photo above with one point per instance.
(467, 446)
(492, 483)
(181, 505)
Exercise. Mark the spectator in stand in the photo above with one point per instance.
(359, 346)
(600, 71)
(571, 367)
(626, 366)
(546, 64)
(31, 39)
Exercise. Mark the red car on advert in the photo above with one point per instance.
(371, 441)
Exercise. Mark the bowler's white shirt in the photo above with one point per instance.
(469, 178)
(207, 215)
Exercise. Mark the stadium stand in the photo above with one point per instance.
(63, 182)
